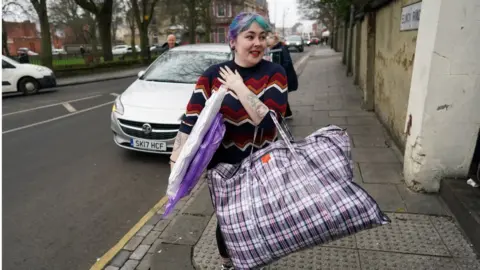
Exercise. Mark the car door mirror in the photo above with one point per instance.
(140, 73)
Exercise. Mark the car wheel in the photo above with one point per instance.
(301, 49)
(28, 86)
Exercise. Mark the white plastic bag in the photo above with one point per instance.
(201, 127)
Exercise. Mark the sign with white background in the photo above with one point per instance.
(410, 18)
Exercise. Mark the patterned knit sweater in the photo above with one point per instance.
(268, 81)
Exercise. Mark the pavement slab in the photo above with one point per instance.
(388, 260)
(381, 173)
(407, 233)
(374, 155)
(185, 230)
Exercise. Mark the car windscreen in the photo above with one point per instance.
(294, 38)
(183, 66)
(10, 60)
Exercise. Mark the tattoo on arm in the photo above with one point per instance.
(260, 108)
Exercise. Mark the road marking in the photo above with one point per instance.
(299, 62)
(57, 118)
(69, 107)
(115, 94)
(51, 105)
(107, 257)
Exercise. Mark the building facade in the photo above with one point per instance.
(224, 11)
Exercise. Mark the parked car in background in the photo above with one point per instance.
(26, 50)
(119, 49)
(313, 41)
(294, 42)
(146, 116)
(124, 49)
(25, 78)
(156, 48)
(58, 51)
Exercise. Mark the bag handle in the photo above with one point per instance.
(288, 142)
(286, 139)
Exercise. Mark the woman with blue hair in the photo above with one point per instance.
(256, 86)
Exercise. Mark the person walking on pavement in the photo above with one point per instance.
(281, 55)
(255, 87)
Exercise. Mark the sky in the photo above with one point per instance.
(277, 7)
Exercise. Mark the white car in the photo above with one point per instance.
(25, 78)
(58, 51)
(119, 49)
(146, 117)
(26, 50)
(124, 49)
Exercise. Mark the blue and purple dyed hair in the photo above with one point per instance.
(243, 21)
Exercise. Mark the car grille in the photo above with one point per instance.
(154, 126)
(151, 136)
(131, 128)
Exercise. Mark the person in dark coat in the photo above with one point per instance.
(281, 55)
(171, 43)
(23, 58)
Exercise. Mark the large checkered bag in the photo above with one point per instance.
(290, 196)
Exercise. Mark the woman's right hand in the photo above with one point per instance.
(232, 80)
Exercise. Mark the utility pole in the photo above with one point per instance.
(283, 20)
(275, 17)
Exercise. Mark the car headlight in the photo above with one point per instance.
(40, 69)
(298, 43)
(118, 106)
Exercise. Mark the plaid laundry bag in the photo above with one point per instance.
(290, 196)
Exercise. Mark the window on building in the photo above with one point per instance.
(221, 34)
(221, 10)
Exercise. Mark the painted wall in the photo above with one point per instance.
(340, 38)
(362, 78)
(444, 94)
(395, 52)
(354, 53)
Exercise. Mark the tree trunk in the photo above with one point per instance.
(208, 24)
(104, 25)
(93, 38)
(144, 43)
(46, 52)
(5, 40)
(192, 24)
(114, 33)
(132, 42)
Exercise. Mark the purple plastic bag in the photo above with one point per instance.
(205, 152)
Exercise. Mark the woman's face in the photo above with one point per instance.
(270, 40)
(250, 46)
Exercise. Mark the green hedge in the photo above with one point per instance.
(66, 71)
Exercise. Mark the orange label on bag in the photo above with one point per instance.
(266, 158)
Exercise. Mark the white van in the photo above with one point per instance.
(25, 78)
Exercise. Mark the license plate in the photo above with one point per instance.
(149, 145)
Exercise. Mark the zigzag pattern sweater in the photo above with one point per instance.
(268, 81)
